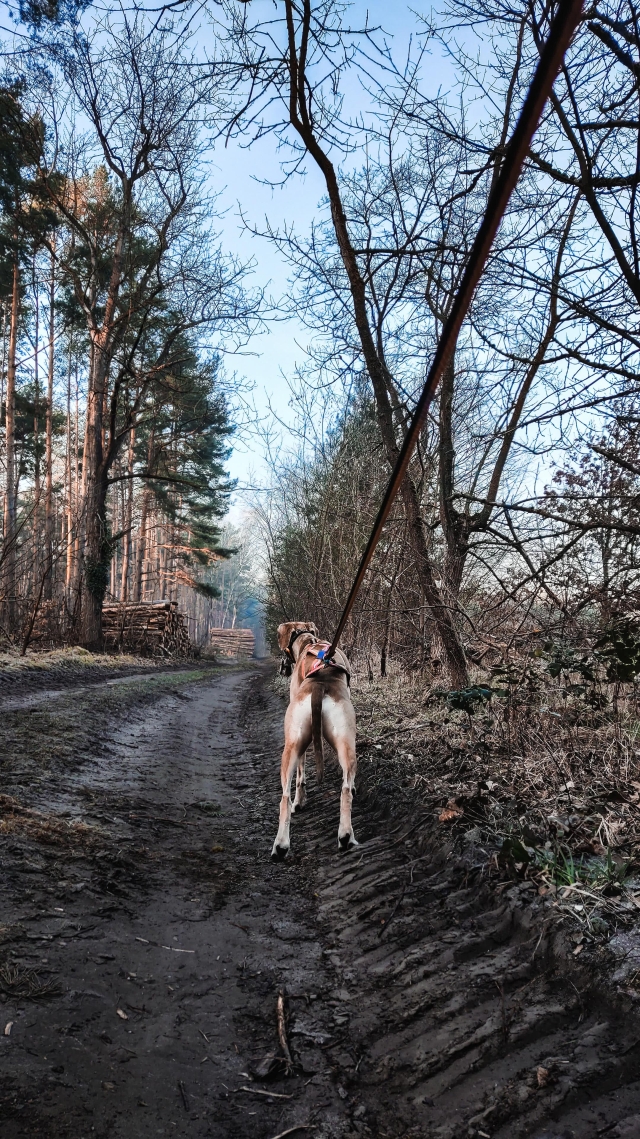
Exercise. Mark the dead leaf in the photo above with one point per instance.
(7, 1028)
(542, 1076)
(108, 1086)
(122, 1014)
(450, 812)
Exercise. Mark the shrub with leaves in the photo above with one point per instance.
(619, 650)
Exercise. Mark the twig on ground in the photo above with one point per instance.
(261, 1091)
(183, 1093)
(298, 1127)
(282, 1033)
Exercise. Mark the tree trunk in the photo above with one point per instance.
(10, 535)
(141, 552)
(96, 562)
(454, 662)
(96, 553)
(48, 451)
(69, 511)
(37, 488)
(128, 516)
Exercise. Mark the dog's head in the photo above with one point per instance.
(288, 631)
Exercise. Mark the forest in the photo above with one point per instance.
(234, 237)
(516, 528)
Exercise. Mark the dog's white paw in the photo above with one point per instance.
(279, 852)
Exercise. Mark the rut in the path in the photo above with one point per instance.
(467, 1010)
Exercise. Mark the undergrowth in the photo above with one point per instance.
(534, 775)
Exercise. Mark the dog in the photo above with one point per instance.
(319, 705)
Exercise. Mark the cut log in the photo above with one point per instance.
(238, 644)
(148, 628)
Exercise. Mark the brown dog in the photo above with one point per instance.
(319, 704)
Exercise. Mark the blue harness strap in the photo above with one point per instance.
(322, 662)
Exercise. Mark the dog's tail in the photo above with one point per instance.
(317, 692)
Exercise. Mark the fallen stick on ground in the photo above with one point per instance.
(290, 1130)
(260, 1091)
(242, 927)
(282, 1033)
(157, 945)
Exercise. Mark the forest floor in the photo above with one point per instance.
(145, 935)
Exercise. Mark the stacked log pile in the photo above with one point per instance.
(147, 628)
(237, 643)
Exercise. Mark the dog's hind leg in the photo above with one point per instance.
(301, 786)
(339, 726)
(292, 755)
(347, 757)
(287, 769)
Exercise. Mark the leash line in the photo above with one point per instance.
(551, 59)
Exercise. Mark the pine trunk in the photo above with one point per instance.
(48, 449)
(126, 548)
(10, 505)
(142, 544)
(96, 554)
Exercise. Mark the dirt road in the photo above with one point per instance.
(145, 936)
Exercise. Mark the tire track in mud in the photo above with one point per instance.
(423, 1000)
(460, 1009)
(471, 1014)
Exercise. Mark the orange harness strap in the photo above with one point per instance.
(320, 664)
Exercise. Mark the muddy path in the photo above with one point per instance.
(145, 936)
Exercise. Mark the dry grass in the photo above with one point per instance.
(48, 829)
(73, 658)
(26, 984)
(538, 785)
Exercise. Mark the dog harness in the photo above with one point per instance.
(321, 663)
(288, 660)
(318, 650)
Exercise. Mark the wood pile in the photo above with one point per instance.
(147, 628)
(238, 643)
